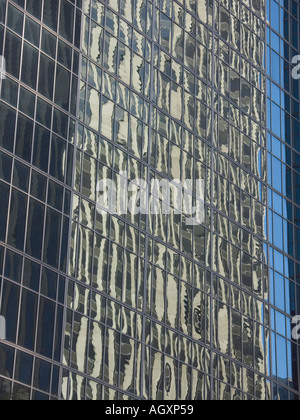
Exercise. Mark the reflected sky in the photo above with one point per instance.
(280, 215)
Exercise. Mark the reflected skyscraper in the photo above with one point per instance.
(102, 306)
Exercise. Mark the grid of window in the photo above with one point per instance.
(283, 196)
(143, 306)
(36, 161)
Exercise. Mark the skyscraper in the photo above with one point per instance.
(141, 304)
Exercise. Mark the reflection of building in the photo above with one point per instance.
(108, 307)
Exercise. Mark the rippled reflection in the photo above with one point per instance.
(178, 303)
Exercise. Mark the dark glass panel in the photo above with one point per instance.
(43, 112)
(32, 32)
(9, 91)
(55, 379)
(66, 24)
(55, 195)
(9, 309)
(62, 87)
(61, 290)
(5, 167)
(45, 333)
(67, 204)
(13, 266)
(27, 102)
(20, 393)
(21, 176)
(35, 229)
(51, 14)
(77, 29)
(46, 77)
(73, 98)
(3, 4)
(70, 165)
(42, 374)
(7, 127)
(60, 123)
(1, 260)
(31, 277)
(48, 43)
(24, 138)
(52, 238)
(17, 220)
(34, 7)
(38, 396)
(38, 186)
(28, 317)
(12, 53)
(57, 159)
(58, 333)
(5, 389)
(64, 54)
(23, 371)
(4, 192)
(41, 148)
(64, 244)
(30, 65)
(49, 284)
(7, 355)
(15, 19)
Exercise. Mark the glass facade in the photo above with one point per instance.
(143, 306)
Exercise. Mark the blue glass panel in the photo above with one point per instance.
(276, 93)
(280, 323)
(276, 147)
(275, 42)
(278, 232)
(277, 203)
(275, 66)
(275, 15)
(274, 359)
(279, 292)
(281, 359)
(277, 181)
(276, 119)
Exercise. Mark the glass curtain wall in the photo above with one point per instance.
(143, 306)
